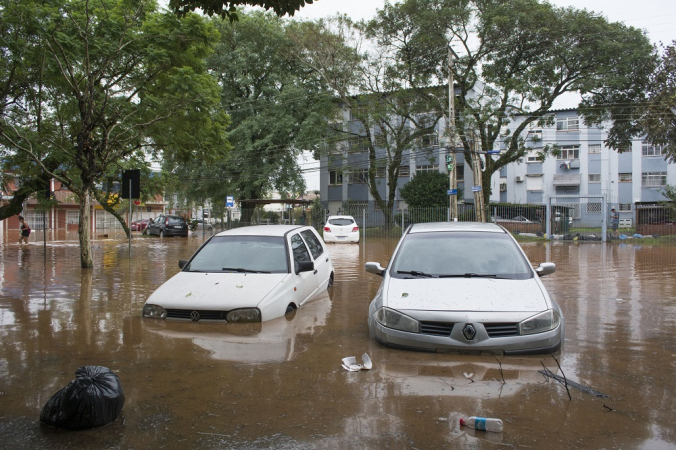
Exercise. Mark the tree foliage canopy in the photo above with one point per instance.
(99, 84)
(228, 9)
(426, 189)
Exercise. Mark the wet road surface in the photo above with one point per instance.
(280, 384)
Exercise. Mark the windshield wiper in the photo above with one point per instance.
(470, 275)
(415, 273)
(239, 269)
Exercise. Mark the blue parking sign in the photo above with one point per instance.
(229, 201)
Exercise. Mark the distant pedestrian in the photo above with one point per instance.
(614, 221)
(25, 231)
(303, 218)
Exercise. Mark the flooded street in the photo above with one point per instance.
(280, 384)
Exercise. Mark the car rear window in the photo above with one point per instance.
(249, 253)
(341, 222)
(449, 254)
(175, 221)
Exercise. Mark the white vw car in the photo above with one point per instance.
(248, 274)
(465, 287)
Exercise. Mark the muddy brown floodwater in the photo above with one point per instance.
(280, 384)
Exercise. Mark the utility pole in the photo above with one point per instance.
(450, 157)
(479, 210)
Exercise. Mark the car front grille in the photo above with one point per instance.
(436, 328)
(495, 330)
(203, 314)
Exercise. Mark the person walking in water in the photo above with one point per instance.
(25, 231)
(614, 221)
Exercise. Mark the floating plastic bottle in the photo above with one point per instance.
(483, 423)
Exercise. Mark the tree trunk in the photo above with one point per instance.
(84, 229)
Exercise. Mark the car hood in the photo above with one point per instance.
(215, 290)
(465, 294)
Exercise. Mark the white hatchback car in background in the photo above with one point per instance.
(248, 274)
(341, 229)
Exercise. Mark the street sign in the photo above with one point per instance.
(476, 188)
(137, 202)
(229, 201)
(452, 192)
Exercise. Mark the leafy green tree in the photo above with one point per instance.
(426, 189)
(277, 108)
(659, 117)
(669, 192)
(229, 8)
(118, 80)
(517, 57)
(390, 96)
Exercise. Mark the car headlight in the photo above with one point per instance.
(391, 318)
(244, 315)
(154, 312)
(545, 321)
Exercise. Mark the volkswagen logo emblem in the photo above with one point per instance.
(194, 316)
(469, 331)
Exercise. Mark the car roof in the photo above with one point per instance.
(261, 230)
(456, 226)
(341, 217)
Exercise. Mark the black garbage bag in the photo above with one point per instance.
(92, 399)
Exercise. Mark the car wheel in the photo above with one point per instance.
(330, 281)
(161, 233)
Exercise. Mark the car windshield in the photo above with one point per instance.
(341, 222)
(459, 254)
(252, 254)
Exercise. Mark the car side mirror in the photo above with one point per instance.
(182, 263)
(304, 266)
(546, 268)
(375, 268)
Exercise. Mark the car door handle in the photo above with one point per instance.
(315, 272)
(327, 259)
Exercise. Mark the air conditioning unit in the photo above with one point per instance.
(519, 179)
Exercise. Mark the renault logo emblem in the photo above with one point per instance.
(194, 316)
(469, 331)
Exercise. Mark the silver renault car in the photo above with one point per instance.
(464, 287)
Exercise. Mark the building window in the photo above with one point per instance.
(381, 172)
(568, 152)
(568, 124)
(651, 150)
(430, 140)
(594, 208)
(72, 217)
(335, 177)
(380, 141)
(357, 112)
(534, 156)
(460, 172)
(625, 207)
(359, 145)
(654, 179)
(535, 135)
(625, 177)
(427, 168)
(404, 171)
(596, 148)
(359, 176)
(594, 177)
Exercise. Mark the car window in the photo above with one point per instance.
(242, 254)
(175, 221)
(315, 246)
(341, 222)
(299, 249)
(457, 253)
